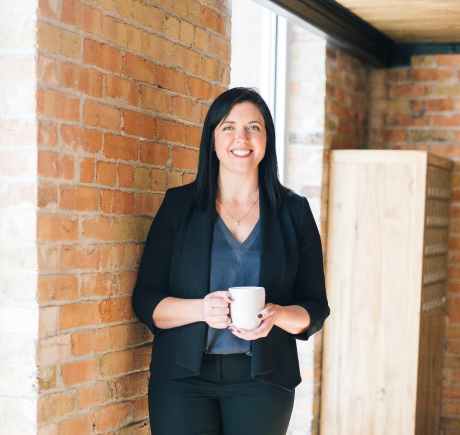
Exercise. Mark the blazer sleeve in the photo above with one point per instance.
(152, 284)
(309, 284)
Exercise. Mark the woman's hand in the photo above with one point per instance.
(215, 309)
(268, 316)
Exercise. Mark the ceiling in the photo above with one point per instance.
(411, 21)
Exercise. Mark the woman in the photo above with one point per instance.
(236, 225)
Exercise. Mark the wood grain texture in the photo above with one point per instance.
(374, 280)
(411, 21)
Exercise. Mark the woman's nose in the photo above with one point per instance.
(241, 135)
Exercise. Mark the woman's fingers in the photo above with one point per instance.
(268, 310)
(224, 294)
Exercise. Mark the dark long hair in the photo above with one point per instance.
(205, 188)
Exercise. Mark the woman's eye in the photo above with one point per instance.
(254, 127)
(227, 127)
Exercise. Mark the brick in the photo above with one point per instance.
(127, 280)
(142, 357)
(173, 179)
(77, 426)
(141, 12)
(58, 105)
(391, 135)
(47, 134)
(118, 337)
(200, 38)
(125, 7)
(86, 80)
(56, 40)
(100, 340)
(116, 310)
(187, 59)
(409, 120)
(81, 343)
(95, 395)
(130, 385)
(113, 416)
(170, 131)
(106, 173)
(123, 34)
(46, 70)
(100, 284)
(48, 8)
(102, 55)
(155, 100)
(76, 138)
(87, 170)
(199, 88)
(113, 201)
(48, 320)
(184, 158)
(154, 153)
(454, 317)
(447, 89)
(453, 303)
(409, 90)
(143, 429)
(220, 48)
(447, 59)
(137, 124)
(82, 16)
(122, 89)
(54, 228)
(171, 79)
(47, 196)
(157, 47)
(141, 407)
(135, 333)
(116, 363)
(54, 406)
(142, 178)
(210, 68)
(431, 74)
(48, 257)
(193, 10)
(446, 120)
(100, 115)
(101, 228)
(440, 104)
(53, 165)
(135, 228)
(118, 256)
(57, 287)
(78, 372)
(80, 257)
(157, 19)
(186, 109)
(147, 204)
(180, 6)
(192, 136)
(79, 198)
(79, 314)
(187, 32)
(138, 68)
(431, 135)
(421, 60)
(188, 178)
(106, 4)
(125, 175)
(120, 147)
(158, 177)
(47, 379)
(172, 27)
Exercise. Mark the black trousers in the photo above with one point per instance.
(222, 400)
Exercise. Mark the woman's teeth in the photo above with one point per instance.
(241, 153)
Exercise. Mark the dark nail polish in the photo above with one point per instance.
(231, 298)
(238, 331)
(259, 316)
(230, 329)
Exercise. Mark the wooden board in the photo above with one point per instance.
(411, 21)
(374, 280)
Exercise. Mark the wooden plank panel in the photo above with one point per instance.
(375, 248)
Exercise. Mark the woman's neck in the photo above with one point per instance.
(237, 188)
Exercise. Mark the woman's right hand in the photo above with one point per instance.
(215, 309)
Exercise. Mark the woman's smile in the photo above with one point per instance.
(241, 153)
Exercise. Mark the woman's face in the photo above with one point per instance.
(240, 139)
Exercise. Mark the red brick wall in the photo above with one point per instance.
(418, 107)
(124, 86)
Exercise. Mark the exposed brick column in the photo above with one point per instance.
(123, 90)
(18, 202)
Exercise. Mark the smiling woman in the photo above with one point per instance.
(209, 236)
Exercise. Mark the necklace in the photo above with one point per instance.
(237, 221)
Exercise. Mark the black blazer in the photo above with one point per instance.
(176, 262)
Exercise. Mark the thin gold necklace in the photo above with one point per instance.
(237, 221)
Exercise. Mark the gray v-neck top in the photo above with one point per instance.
(232, 265)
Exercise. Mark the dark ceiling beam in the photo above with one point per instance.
(402, 53)
(343, 28)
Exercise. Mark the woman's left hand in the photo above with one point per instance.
(268, 316)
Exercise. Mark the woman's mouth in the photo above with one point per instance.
(241, 153)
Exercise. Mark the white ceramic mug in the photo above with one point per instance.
(247, 303)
